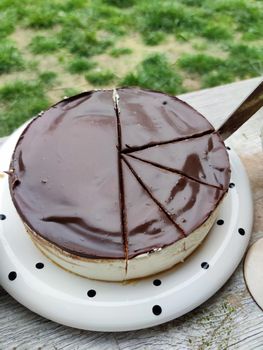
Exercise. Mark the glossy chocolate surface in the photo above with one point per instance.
(203, 159)
(71, 185)
(67, 167)
(148, 227)
(188, 203)
(153, 117)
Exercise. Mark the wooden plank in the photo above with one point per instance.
(229, 320)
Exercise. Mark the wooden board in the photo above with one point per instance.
(229, 320)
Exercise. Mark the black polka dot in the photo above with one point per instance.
(157, 282)
(39, 265)
(205, 265)
(220, 222)
(228, 148)
(157, 310)
(241, 231)
(12, 275)
(91, 293)
(231, 185)
(2, 217)
(164, 102)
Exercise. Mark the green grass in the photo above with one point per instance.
(215, 20)
(245, 61)
(42, 14)
(199, 63)
(117, 52)
(120, 3)
(242, 62)
(167, 16)
(41, 44)
(48, 78)
(7, 22)
(216, 77)
(19, 101)
(100, 78)
(247, 15)
(156, 73)
(77, 32)
(83, 43)
(153, 38)
(10, 57)
(217, 32)
(80, 65)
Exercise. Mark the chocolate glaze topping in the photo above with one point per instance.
(150, 118)
(203, 159)
(147, 223)
(187, 202)
(67, 167)
(102, 179)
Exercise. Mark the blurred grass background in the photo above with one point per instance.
(53, 48)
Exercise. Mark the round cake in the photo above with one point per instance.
(118, 184)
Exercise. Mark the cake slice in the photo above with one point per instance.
(155, 243)
(188, 203)
(201, 158)
(150, 117)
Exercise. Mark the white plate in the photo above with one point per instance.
(61, 296)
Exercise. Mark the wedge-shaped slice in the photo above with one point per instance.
(154, 242)
(189, 203)
(148, 227)
(204, 159)
(149, 117)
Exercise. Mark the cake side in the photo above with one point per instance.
(115, 270)
(160, 260)
(99, 268)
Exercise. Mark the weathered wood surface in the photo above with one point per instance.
(229, 320)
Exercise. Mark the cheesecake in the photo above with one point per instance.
(118, 184)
